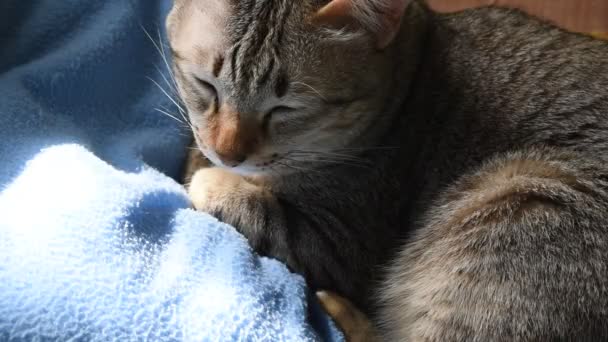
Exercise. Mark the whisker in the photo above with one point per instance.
(298, 168)
(169, 84)
(171, 116)
(166, 94)
(150, 37)
(336, 162)
(185, 117)
(332, 155)
(313, 89)
(164, 55)
(161, 50)
(348, 161)
(185, 122)
(322, 157)
(159, 46)
(378, 148)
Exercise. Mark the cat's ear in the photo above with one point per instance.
(380, 17)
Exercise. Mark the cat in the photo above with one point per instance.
(445, 173)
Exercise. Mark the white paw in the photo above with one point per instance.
(210, 187)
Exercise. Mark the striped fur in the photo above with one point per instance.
(451, 183)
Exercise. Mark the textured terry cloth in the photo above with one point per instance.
(96, 238)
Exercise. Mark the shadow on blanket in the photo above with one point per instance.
(96, 238)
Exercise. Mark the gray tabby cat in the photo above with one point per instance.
(448, 174)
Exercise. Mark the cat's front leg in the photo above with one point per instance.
(287, 229)
(255, 213)
(233, 200)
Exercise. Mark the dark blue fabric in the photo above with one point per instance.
(97, 241)
(76, 71)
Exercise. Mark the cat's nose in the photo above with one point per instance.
(231, 159)
(233, 136)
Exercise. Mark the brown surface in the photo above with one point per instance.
(577, 15)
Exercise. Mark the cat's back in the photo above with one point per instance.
(509, 47)
(509, 52)
(516, 80)
(503, 30)
(494, 80)
(495, 85)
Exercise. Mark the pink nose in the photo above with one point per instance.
(231, 137)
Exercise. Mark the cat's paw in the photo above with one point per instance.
(211, 188)
(353, 323)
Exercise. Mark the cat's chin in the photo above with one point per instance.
(259, 173)
(249, 171)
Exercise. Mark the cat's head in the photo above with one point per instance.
(272, 86)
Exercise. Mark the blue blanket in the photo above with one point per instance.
(97, 241)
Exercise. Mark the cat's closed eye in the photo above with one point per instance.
(280, 110)
(276, 111)
(206, 86)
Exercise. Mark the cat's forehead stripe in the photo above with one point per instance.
(282, 85)
(234, 62)
(265, 75)
(218, 64)
(256, 45)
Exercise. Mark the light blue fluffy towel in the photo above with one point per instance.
(97, 241)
